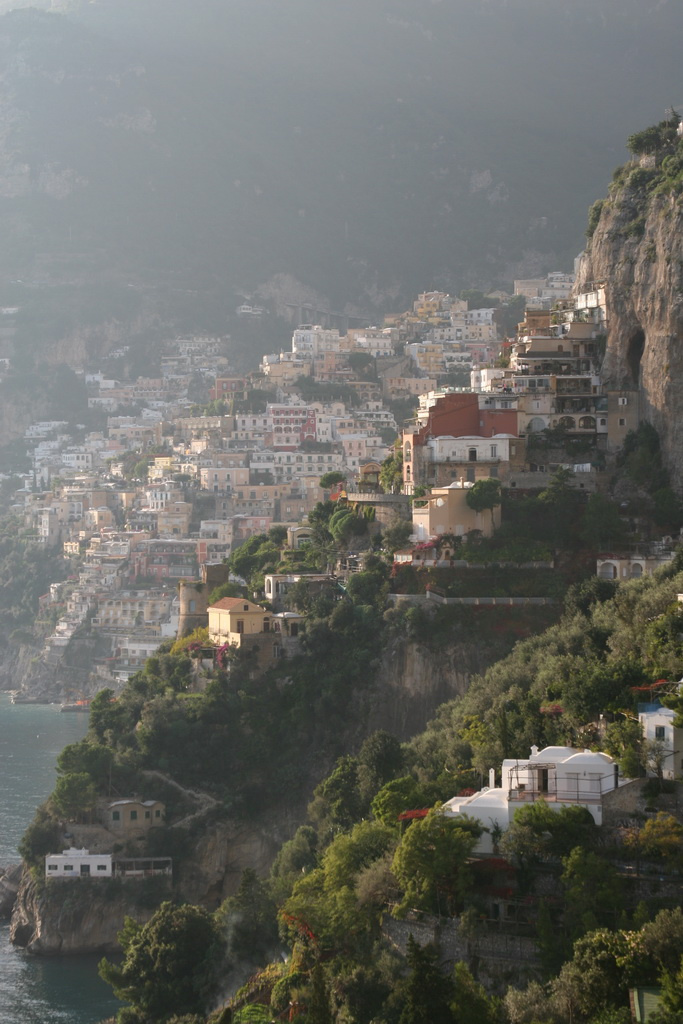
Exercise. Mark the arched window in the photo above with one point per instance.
(587, 423)
(535, 425)
(568, 422)
(636, 571)
(607, 571)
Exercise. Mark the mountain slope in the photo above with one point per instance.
(369, 150)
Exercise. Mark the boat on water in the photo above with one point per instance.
(77, 705)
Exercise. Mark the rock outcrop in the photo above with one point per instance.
(636, 252)
(85, 916)
(74, 916)
(10, 879)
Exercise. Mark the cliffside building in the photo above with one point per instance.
(447, 511)
(74, 863)
(561, 776)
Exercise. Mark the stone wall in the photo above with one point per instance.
(495, 958)
(620, 803)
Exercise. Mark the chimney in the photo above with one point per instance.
(492, 778)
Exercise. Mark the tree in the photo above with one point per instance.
(87, 758)
(485, 494)
(537, 830)
(432, 859)
(396, 535)
(228, 589)
(381, 759)
(74, 795)
(328, 480)
(40, 838)
(396, 796)
(344, 524)
(428, 991)
(169, 965)
(337, 800)
(593, 891)
(391, 473)
(601, 525)
(249, 918)
(316, 999)
(470, 1003)
(662, 836)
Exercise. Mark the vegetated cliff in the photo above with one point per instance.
(85, 916)
(46, 678)
(636, 252)
(413, 679)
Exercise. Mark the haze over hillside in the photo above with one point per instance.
(369, 150)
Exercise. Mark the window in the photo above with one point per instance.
(148, 814)
(133, 815)
(472, 455)
(157, 814)
(116, 816)
(622, 422)
(101, 867)
(622, 401)
(660, 732)
(494, 451)
(52, 867)
(240, 625)
(68, 867)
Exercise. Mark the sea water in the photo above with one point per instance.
(40, 990)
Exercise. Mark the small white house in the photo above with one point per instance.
(657, 724)
(73, 863)
(561, 776)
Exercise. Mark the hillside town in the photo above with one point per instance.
(402, 418)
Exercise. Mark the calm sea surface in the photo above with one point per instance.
(55, 990)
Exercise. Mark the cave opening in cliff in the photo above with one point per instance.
(634, 354)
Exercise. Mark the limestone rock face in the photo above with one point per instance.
(636, 252)
(70, 917)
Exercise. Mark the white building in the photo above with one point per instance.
(310, 340)
(657, 723)
(486, 378)
(73, 863)
(562, 776)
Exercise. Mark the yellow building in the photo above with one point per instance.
(233, 618)
(447, 511)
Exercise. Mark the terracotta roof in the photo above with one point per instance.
(232, 604)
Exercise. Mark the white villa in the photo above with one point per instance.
(560, 775)
(73, 863)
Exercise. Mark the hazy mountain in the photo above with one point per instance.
(366, 148)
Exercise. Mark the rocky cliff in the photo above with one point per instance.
(636, 252)
(73, 917)
(85, 916)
